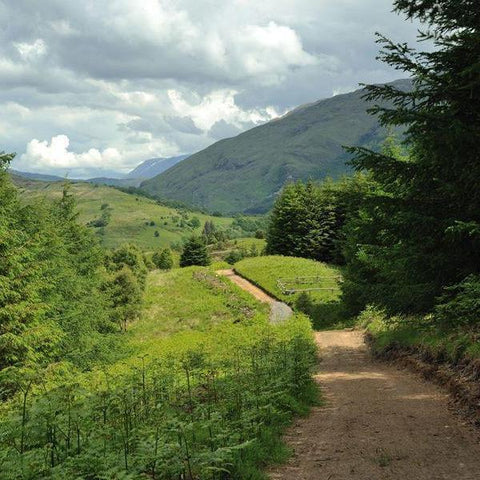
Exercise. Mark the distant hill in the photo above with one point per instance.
(114, 182)
(133, 218)
(36, 176)
(244, 173)
(147, 169)
(154, 166)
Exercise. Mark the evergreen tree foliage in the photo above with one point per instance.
(127, 269)
(52, 303)
(209, 232)
(163, 259)
(195, 253)
(306, 220)
(60, 294)
(421, 228)
(126, 296)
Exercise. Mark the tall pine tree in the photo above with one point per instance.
(427, 205)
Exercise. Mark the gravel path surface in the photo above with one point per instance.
(279, 311)
(379, 423)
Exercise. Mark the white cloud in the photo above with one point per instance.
(41, 155)
(128, 80)
(271, 49)
(218, 105)
(31, 51)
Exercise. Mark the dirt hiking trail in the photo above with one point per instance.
(279, 311)
(378, 423)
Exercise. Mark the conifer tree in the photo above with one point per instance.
(427, 206)
(194, 253)
(306, 221)
(163, 259)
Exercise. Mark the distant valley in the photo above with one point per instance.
(147, 169)
(244, 174)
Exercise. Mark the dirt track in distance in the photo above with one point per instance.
(279, 311)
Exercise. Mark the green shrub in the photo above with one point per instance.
(194, 253)
(163, 260)
(460, 305)
(234, 256)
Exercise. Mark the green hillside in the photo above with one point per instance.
(243, 174)
(131, 216)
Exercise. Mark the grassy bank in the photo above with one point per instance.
(205, 386)
(322, 306)
(420, 335)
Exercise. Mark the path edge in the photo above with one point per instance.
(461, 380)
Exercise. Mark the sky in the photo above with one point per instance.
(95, 87)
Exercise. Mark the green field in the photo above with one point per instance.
(130, 215)
(323, 306)
(266, 271)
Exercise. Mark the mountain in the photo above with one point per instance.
(244, 173)
(147, 169)
(154, 166)
(36, 176)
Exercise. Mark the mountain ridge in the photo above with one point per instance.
(145, 170)
(244, 173)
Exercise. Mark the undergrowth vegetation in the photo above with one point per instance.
(420, 335)
(203, 391)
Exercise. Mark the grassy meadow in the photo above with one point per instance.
(130, 216)
(323, 306)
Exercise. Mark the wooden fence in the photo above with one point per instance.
(290, 286)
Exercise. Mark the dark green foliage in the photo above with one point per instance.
(128, 256)
(195, 222)
(156, 233)
(459, 306)
(127, 268)
(126, 296)
(419, 230)
(307, 219)
(194, 253)
(209, 231)
(163, 259)
(52, 303)
(249, 225)
(234, 256)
